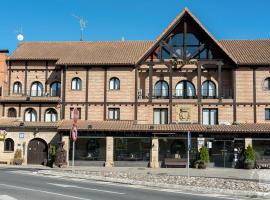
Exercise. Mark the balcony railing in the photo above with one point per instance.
(185, 94)
(39, 93)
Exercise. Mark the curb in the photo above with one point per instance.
(185, 188)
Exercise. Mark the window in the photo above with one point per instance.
(9, 145)
(266, 84)
(76, 84)
(56, 89)
(12, 112)
(30, 115)
(161, 89)
(208, 89)
(114, 114)
(160, 116)
(210, 116)
(51, 115)
(185, 89)
(72, 113)
(17, 88)
(36, 89)
(192, 45)
(267, 114)
(114, 84)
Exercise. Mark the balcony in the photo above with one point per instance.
(33, 96)
(185, 94)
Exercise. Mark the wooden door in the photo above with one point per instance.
(37, 152)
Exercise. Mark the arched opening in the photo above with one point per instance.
(266, 84)
(30, 115)
(36, 89)
(9, 145)
(208, 89)
(114, 84)
(185, 89)
(12, 112)
(17, 88)
(161, 89)
(55, 89)
(76, 84)
(51, 115)
(37, 153)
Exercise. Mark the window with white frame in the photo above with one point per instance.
(76, 84)
(161, 89)
(266, 84)
(114, 84)
(50, 115)
(208, 89)
(160, 116)
(114, 113)
(30, 115)
(210, 116)
(267, 114)
(17, 88)
(36, 89)
(56, 89)
(185, 89)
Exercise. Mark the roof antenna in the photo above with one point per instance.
(20, 36)
(83, 23)
(123, 39)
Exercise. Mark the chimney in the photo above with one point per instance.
(3, 70)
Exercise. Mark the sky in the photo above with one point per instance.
(52, 20)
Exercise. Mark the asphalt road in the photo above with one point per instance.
(22, 184)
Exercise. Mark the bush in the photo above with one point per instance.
(18, 160)
(204, 154)
(250, 158)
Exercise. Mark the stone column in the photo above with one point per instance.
(154, 153)
(248, 142)
(66, 147)
(109, 152)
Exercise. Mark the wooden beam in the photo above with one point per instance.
(39, 113)
(150, 74)
(170, 91)
(136, 94)
(86, 93)
(234, 96)
(46, 76)
(171, 50)
(64, 71)
(3, 111)
(105, 94)
(220, 82)
(9, 78)
(199, 92)
(185, 40)
(254, 95)
(25, 78)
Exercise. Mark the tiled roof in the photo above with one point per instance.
(249, 52)
(83, 53)
(132, 126)
(173, 24)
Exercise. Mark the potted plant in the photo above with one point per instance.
(18, 160)
(204, 158)
(250, 158)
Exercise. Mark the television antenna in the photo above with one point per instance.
(83, 23)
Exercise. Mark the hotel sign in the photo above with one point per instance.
(3, 134)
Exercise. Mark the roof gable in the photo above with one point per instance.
(173, 25)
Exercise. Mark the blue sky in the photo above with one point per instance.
(51, 20)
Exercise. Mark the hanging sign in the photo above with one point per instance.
(3, 134)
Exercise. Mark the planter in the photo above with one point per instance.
(18, 161)
(249, 165)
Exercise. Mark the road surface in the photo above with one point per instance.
(26, 184)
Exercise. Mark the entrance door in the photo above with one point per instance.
(222, 153)
(37, 152)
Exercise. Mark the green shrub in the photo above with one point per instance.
(250, 154)
(204, 154)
